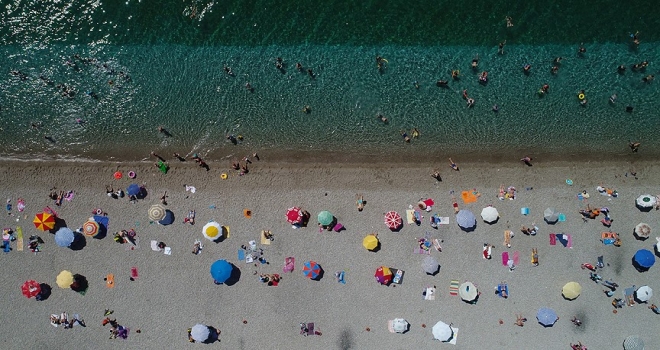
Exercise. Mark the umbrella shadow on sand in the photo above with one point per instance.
(213, 336)
(223, 235)
(59, 223)
(234, 277)
(79, 241)
(44, 293)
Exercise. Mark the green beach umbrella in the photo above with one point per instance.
(325, 218)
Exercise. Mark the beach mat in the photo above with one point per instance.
(453, 287)
(516, 257)
(553, 239)
(505, 258)
(410, 216)
(468, 197)
(241, 255)
(421, 251)
(444, 220)
(264, 240)
(19, 239)
(564, 239)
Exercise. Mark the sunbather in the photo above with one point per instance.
(359, 201)
(454, 204)
(453, 165)
(60, 197)
(436, 175)
(520, 320)
(508, 234)
(576, 321)
(502, 193)
(535, 257)
(654, 308)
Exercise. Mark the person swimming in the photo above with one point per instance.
(475, 62)
(441, 83)
(483, 78)
(526, 68)
(455, 73)
(496, 108)
(613, 98)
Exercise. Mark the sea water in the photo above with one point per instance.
(133, 66)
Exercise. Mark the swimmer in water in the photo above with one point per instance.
(442, 83)
(613, 99)
(80, 121)
(414, 132)
(382, 118)
(496, 108)
(416, 84)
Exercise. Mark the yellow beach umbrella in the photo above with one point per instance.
(212, 231)
(370, 242)
(571, 290)
(64, 279)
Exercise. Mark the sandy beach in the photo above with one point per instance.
(175, 292)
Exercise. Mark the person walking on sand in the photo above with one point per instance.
(453, 165)
(527, 160)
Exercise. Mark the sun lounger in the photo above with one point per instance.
(524, 211)
(241, 254)
(154, 246)
(629, 295)
(340, 277)
(436, 244)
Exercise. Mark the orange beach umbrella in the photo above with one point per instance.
(44, 221)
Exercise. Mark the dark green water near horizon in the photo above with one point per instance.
(131, 66)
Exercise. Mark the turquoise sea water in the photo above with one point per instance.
(165, 60)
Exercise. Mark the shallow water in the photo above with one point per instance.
(173, 77)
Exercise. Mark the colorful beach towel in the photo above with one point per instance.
(516, 257)
(553, 239)
(468, 197)
(564, 238)
(453, 287)
(19, 239)
(505, 258)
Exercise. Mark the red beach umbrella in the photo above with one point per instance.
(311, 269)
(44, 221)
(383, 275)
(31, 288)
(393, 220)
(294, 215)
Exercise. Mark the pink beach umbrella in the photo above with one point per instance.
(393, 220)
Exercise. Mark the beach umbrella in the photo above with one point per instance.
(294, 215)
(64, 237)
(571, 290)
(383, 275)
(466, 220)
(644, 293)
(490, 214)
(325, 218)
(550, 215)
(311, 269)
(212, 230)
(168, 219)
(468, 292)
(370, 242)
(44, 221)
(393, 220)
(91, 228)
(64, 279)
(645, 201)
(442, 332)
(157, 212)
(430, 265)
(200, 333)
(133, 190)
(644, 258)
(546, 317)
(221, 271)
(31, 288)
(643, 230)
(399, 325)
(633, 342)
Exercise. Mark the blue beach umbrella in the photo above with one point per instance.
(311, 269)
(64, 237)
(466, 220)
(644, 259)
(133, 190)
(221, 271)
(546, 317)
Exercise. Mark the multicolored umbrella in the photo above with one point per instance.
(157, 212)
(294, 215)
(383, 275)
(44, 221)
(325, 218)
(393, 220)
(91, 228)
(31, 288)
(571, 290)
(200, 333)
(212, 231)
(546, 317)
(64, 279)
(221, 271)
(64, 237)
(311, 269)
(370, 242)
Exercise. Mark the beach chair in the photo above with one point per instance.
(629, 295)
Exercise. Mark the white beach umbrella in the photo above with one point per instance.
(490, 214)
(200, 332)
(468, 292)
(442, 332)
(550, 216)
(645, 201)
(643, 230)
(212, 231)
(399, 325)
(644, 293)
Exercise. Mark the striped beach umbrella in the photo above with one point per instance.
(31, 288)
(393, 220)
(91, 228)
(44, 221)
(311, 269)
(157, 212)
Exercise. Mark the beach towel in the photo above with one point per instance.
(398, 276)
(192, 189)
(553, 239)
(516, 257)
(453, 287)
(20, 205)
(264, 240)
(429, 293)
(19, 239)
(241, 254)
(421, 251)
(69, 196)
(134, 273)
(410, 216)
(505, 258)
(154, 246)
(110, 281)
(444, 220)
(565, 239)
(167, 251)
(468, 197)
(289, 264)
(561, 217)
